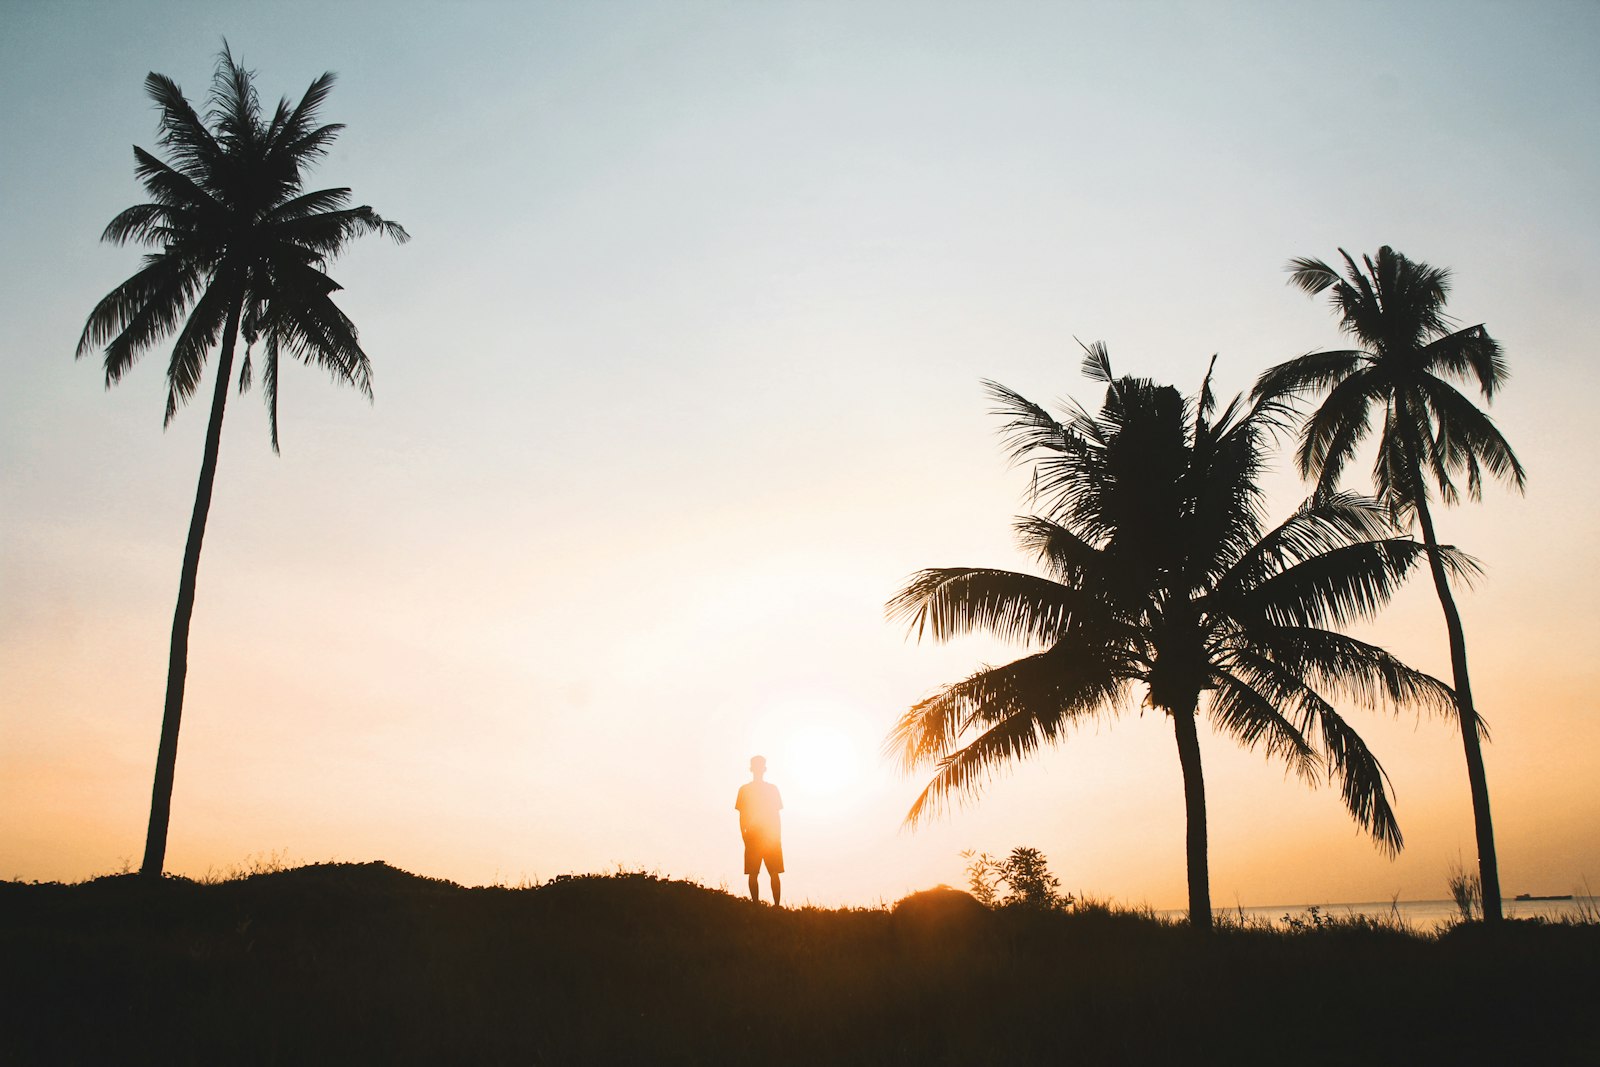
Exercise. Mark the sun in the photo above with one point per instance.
(816, 753)
(823, 758)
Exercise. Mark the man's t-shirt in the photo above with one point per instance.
(758, 806)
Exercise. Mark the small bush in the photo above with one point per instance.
(1467, 891)
(1025, 876)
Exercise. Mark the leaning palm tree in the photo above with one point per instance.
(1160, 576)
(1432, 436)
(240, 249)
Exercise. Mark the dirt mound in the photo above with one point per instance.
(940, 915)
(358, 877)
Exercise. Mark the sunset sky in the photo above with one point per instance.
(678, 380)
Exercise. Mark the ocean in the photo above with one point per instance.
(1424, 915)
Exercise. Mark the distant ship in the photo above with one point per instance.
(1530, 896)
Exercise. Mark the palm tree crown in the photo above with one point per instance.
(235, 232)
(1159, 574)
(1403, 373)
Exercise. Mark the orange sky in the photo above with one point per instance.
(679, 380)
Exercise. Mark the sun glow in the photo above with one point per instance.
(816, 754)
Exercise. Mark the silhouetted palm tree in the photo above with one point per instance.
(1160, 576)
(1431, 435)
(240, 248)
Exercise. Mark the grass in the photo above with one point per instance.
(363, 963)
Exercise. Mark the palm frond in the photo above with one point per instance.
(1097, 362)
(1029, 428)
(174, 189)
(183, 134)
(139, 312)
(145, 223)
(1363, 783)
(199, 334)
(1067, 556)
(235, 106)
(1337, 587)
(1252, 718)
(269, 387)
(298, 123)
(1008, 712)
(1413, 295)
(309, 205)
(947, 602)
(1336, 428)
(1310, 373)
(1362, 780)
(1223, 493)
(1326, 661)
(1358, 302)
(1207, 402)
(1311, 275)
(1467, 355)
(313, 143)
(312, 328)
(1410, 457)
(1468, 437)
(1320, 524)
(327, 232)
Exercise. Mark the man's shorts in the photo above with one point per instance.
(759, 849)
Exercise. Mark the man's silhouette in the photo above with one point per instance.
(758, 806)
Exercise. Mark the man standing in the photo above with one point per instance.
(758, 806)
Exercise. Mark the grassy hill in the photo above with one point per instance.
(363, 963)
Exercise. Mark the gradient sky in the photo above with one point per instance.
(679, 379)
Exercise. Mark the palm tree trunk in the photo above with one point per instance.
(155, 842)
(1194, 803)
(1477, 779)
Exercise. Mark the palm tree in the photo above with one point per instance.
(1432, 438)
(239, 249)
(1159, 575)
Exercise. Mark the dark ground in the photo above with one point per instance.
(363, 963)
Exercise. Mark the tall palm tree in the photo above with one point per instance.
(1160, 576)
(1432, 436)
(240, 248)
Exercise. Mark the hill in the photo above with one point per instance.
(363, 963)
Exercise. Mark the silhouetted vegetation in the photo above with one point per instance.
(1022, 879)
(241, 248)
(1163, 582)
(1466, 889)
(363, 963)
(1432, 437)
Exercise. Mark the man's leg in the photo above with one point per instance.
(755, 886)
(777, 890)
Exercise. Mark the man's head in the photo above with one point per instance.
(758, 765)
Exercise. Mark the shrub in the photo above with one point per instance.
(1025, 876)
